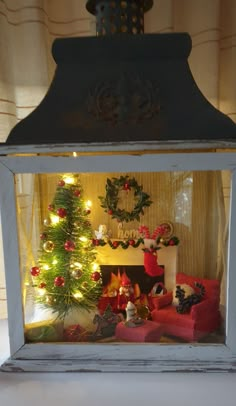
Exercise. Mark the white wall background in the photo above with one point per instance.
(117, 389)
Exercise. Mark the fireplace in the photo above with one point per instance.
(118, 233)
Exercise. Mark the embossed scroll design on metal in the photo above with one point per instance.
(126, 100)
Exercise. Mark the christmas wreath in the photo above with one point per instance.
(110, 201)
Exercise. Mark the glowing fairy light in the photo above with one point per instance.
(41, 292)
(70, 180)
(78, 265)
(54, 262)
(74, 154)
(78, 295)
(83, 239)
(54, 219)
(46, 267)
(88, 204)
(95, 266)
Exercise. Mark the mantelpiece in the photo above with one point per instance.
(113, 356)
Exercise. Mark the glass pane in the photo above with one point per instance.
(117, 257)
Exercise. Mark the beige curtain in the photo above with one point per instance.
(28, 28)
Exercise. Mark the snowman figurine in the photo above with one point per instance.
(132, 318)
(131, 311)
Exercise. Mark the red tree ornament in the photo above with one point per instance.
(61, 212)
(42, 285)
(59, 281)
(61, 183)
(110, 212)
(77, 193)
(35, 271)
(87, 211)
(96, 276)
(51, 207)
(43, 236)
(69, 245)
(115, 244)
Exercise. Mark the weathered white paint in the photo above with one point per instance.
(117, 146)
(118, 366)
(110, 357)
(231, 274)
(122, 163)
(3, 300)
(11, 259)
(117, 352)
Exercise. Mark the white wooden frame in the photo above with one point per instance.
(109, 357)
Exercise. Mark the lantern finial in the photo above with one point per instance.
(118, 16)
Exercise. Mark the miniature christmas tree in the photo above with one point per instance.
(66, 275)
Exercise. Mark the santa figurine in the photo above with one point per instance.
(126, 292)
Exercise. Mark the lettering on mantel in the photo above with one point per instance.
(127, 234)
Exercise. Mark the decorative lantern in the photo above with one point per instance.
(137, 140)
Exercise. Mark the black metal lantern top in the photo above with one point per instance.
(118, 16)
(141, 88)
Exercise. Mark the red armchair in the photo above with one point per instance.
(203, 317)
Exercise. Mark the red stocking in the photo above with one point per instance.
(151, 266)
